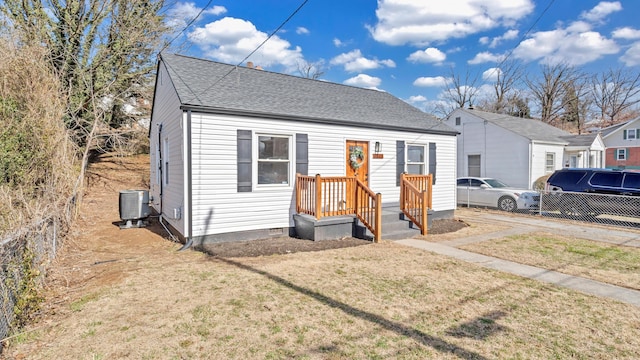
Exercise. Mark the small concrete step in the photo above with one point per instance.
(400, 234)
(394, 226)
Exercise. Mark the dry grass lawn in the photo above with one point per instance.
(376, 301)
(129, 294)
(618, 265)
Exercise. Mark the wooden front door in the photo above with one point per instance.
(357, 159)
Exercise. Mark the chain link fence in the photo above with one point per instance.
(24, 256)
(618, 210)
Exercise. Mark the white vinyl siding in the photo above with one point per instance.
(618, 138)
(504, 155)
(167, 113)
(539, 159)
(219, 208)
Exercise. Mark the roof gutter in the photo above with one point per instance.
(222, 111)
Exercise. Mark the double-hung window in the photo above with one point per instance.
(416, 159)
(550, 162)
(621, 154)
(274, 159)
(630, 134)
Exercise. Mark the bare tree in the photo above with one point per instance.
(549, 90)
(459, 92)
(517, 105)
(615, 92)
(311, 70)
(508, 74)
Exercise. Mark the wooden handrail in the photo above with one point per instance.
(415, 198)
(339, 195)
(369, 209)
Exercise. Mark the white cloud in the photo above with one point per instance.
(491, 74)
(337, 42)
(353, 61)
(566, 45)
(230, 40)
(509, 35)
(484, 57)
(601, 10)
(485, 91)
(182, 13)
(435, 81)
(626, 33)
(420, 22)
(365, 81)
(484, 40)
(430, 55)
(632, 56)
(416, 99)
(302, 30)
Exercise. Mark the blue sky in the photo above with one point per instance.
(410, 47)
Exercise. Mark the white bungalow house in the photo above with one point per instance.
(227, 143)
(517, 150)
(622, 142)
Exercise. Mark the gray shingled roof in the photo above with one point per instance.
(585, 140)
(201, 84)
(608, 130)
(531, 129)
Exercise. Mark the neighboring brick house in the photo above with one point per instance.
(622, 144)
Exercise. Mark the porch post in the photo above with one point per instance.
(425, 200)
(318, 196)
(378, 234)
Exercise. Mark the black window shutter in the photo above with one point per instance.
(244, 161)
(399, 160)
(624, 134)
(432, 161)
(302, 154)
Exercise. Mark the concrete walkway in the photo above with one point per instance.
(525, 224)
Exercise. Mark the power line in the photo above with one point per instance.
(257, 48)
(522, 37)
(186, 26)
(528, 31)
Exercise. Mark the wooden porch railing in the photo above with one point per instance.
(339, 195)
(415, 198)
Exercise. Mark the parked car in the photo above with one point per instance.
(599, 181)
(495, 193)
(606, 188)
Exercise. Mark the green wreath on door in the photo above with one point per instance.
(356, 157)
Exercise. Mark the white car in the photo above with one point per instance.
(494, 193)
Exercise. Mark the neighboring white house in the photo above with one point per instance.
(622, 142)
(227, 141)
(517, 150)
